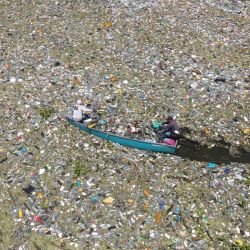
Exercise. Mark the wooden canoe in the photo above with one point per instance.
(124, 141)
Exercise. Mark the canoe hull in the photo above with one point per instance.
(128, 142)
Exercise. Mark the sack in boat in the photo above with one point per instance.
(170, 142)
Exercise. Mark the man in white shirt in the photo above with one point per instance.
(80, 112)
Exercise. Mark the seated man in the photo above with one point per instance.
(81, 113)
(170, 128)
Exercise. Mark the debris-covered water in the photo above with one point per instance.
(134, 60)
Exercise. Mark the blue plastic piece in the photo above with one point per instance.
(95, 198)
(177, 218)
(211, 165)
(177, 210)
(23, 150)
(161, 204)
(102, 122)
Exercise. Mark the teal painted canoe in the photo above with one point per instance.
(128, 142)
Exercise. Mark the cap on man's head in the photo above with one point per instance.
(79, 102)
(170, 118)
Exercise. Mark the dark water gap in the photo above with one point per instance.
(219, 154)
